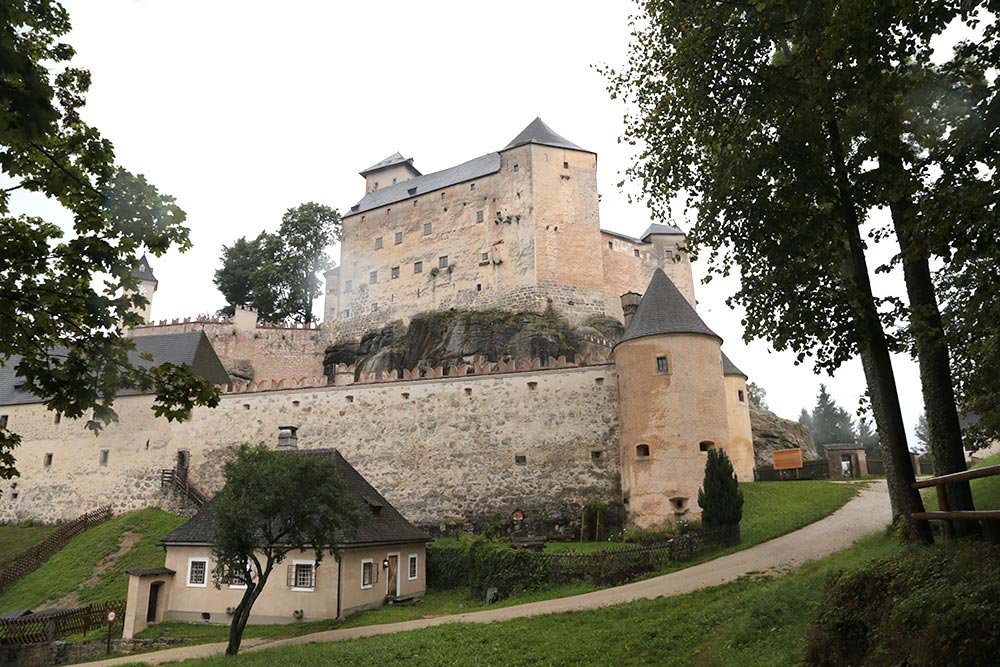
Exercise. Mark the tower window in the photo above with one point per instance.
(48, 460)
(636, 252)
(520, 459)
(661, 364)
(427, 229)
(104, 457)
(395, 272)
(347, 286)
(378, 243)
(611, 245)
(58, 418)
(479, 215)
(373, 277)
(741, 395)
(374, 307)
(399, 236)
(418, 267)
(515, 167)
(642, 451)
(706, 445)
(443, 262)
(565, 165)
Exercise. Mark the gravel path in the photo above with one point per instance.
(865, 514)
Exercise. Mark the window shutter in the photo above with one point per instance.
(291, 576)
(312, 572)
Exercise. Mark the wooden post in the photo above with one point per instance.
(942, 495)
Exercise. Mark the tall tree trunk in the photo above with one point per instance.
(242, 615)
(943, 426)
(876, 361)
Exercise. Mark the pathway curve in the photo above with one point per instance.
(865, 514)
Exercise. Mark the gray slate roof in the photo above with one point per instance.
(538, 132)
(191, 348)
(391, 161)
(729, 368)
(663, 310)
(657, 228)
(387, 525)
(143, 271)
(467, 171)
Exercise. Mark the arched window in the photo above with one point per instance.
(706, 445)
(642, 451)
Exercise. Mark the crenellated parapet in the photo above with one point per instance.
(345, 375)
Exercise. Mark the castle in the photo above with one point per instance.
(627, 420)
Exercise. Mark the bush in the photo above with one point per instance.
(931, 607)
(479, 564)
(720, 499)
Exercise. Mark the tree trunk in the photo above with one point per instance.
(944, 430)
(877, 364)
(242, 615)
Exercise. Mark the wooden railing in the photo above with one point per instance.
(172, 478)
(47, 626)
(944, 513)
(31, 559)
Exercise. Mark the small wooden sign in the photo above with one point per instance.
(787, 459)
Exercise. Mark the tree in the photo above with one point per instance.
(275, 274)
(757, 396)
(66, 297)
(719, 497)
(830, 422)
(274, 503)
(866, 437)
(747, 107)
(805, 418)
(923, 435)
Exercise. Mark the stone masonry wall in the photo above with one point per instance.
(443, 450)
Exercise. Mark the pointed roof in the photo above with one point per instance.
(664, 310)
(143, 271)
(657, 228)
(729, 368)
(391, 161)
(538, 132)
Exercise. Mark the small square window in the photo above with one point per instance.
(596, 454)
(427, 229)
(520, 459)
(104, 457)
(485, 257)
(661, 364)
(443, 262)
(399, 237)
(515, 167)
(3, 421)
(741, 396)
(197, 572)
(442, 195)
(418, 267)
(472, 186)
(374, 307)
(395, 272)
(479, 287)
(636, 252)
(367, 574)
(378, 243)
(479, 215)
(373, 277)
(706, 445)
(411, 570)
(670, 254)
(345, 313)
(347, 286)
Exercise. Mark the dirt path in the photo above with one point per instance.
(863, 515)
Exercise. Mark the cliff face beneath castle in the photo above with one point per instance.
(452, 337)
(771, 432)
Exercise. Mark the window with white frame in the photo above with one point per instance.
(302, 575)
(367, 573)
(197, 572)
(235, 577)
(411, 570)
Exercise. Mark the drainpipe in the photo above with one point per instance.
(340, 597)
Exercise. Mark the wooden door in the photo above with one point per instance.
(392, 580)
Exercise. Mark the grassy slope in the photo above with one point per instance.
(70, 568)
(746, 623)
(15, 540)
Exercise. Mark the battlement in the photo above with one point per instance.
(347, 375)
(230, 321)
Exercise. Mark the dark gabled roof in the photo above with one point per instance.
(391, 161)
(387, 525)
(191, 348)
(657, 228)
(729, 368)
(143, 271)
(420, 185)
(538, 132)
(664, 310)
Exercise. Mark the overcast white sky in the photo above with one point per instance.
(242, 110)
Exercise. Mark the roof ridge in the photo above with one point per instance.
(664, 310)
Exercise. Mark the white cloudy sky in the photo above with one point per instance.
(244, 109)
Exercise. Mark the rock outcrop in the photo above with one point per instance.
(453, 337)
(771, 432)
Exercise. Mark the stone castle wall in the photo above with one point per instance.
(442, 450)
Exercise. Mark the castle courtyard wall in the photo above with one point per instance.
(441, 450)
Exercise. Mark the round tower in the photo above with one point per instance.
(672, 405)
(147, 287)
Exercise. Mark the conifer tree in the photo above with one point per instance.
(719, 497)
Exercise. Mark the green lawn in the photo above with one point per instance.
(15, 540)
(749, 623)
(73, 567)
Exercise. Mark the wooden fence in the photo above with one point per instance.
(944, 513)
(30, 560)
(51, 625)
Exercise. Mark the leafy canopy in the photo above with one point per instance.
(66, 296)
(275, 274)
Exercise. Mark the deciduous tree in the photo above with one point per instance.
(65, 296)
(273, 504)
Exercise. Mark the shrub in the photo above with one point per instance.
(720, 498)
(930, 607)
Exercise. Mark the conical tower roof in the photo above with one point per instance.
(729, 368)
(664, 310)
(143, 271)
(538, 132)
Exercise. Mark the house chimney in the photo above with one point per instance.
(630, 304)
(287, 438)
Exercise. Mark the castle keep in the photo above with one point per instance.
(627, 419)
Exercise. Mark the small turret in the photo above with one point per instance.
(393, 169)
(147, 287)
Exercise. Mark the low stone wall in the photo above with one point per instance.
(65, 653)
